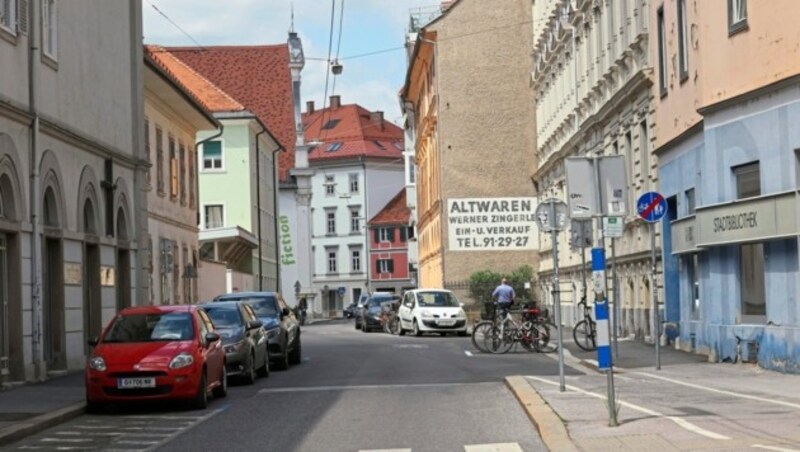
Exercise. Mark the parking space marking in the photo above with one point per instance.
(683, 423)
(178, 433)
(500, 447)
(719, 391)
(775, 448)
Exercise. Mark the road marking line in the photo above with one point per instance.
(468, 353)
(385, 450)
(178, 433)
(66, 440)
(499, 447)
(360, 387)
(720, 391)
(679, 421)
(779, 449)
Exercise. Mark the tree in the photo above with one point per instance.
(482, 283)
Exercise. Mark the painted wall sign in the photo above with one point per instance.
(107, 276)
(742, 221)
(483, 224)
(683, 235)
(73, 274)
(287, 250)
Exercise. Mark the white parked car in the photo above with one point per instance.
(432, 310)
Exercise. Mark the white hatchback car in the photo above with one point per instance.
(432, 310)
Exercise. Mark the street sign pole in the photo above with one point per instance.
(652, 207)
(557, 300)
(615, 292)
(601, 302)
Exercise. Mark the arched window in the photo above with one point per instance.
(49, 208)
(89, 220)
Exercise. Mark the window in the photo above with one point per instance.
(355, 260)
(690, 202)
(683, 38)
(146, 149)
(403, 234)
(214, 216)
(385, 266)
(694, 285)
(212, 155)
(354, 183)
(330, 186)
(355, 221)
(644, 148)
(332, 123)
(748, 180)
(385, 234)
(160, 160)
(173, 169)
(191, 163)
(334, 146)
(331, 261)
(50, 28)
(797, 167)
(330, 224)
(751, 279)
(8, 15)
(379, 144)
(182, 165)
(737, 16)
(662, 53)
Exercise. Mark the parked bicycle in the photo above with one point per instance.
(500, 333)
(585, 331)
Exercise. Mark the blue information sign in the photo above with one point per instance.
(651, 207)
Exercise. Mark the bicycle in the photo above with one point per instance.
(532, 335)
(585, 331)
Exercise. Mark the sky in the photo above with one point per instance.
(367, 26)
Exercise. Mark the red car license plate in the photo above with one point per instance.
(149, 382)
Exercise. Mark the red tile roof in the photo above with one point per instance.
(256, 76)
(204, 92)
(395, 212)
(355, 131)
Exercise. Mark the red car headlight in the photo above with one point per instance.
(181, 360)
(97, 363)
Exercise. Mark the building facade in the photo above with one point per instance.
(593, 77)
(730, 166)
(73, 227)
(469, 104)
(357, 159)
(172, 119)
(389, 236)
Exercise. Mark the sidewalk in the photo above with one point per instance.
(689, 404)
(33, 407)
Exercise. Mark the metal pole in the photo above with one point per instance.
(654, 290)
(612, 412)
(557, 296)
(615, 292)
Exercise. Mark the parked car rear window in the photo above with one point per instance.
(172, 326)
(264, 306)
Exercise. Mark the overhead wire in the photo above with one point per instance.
(163, 14)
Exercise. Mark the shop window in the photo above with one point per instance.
(751, 280)
(748, 180)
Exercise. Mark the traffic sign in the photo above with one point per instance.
(651, 207)
(552, 215)
(612, 227)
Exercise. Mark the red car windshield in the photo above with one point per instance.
(167, 326)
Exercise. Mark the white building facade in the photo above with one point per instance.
(73, 226)
(593, 77)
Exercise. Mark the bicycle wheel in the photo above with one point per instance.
(584, 335)
(528, 336)
(545, 342)
(499, 342)
(479, 333)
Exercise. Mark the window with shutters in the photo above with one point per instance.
(385, 266)
(160, 160)
(403, 234)
(50, 28)
(8, 15)
(147, 151)
(182, 166)
(385, 234)
(191, 167)
(173, 169)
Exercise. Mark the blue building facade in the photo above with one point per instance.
(730, 241)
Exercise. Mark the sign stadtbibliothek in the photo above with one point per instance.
(483, 224)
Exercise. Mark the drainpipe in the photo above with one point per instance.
(275, 182)
(367, 255)
(34, 192)
(258, 211)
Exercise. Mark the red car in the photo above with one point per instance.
(156, 353)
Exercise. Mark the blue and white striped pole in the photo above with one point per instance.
(601, 308)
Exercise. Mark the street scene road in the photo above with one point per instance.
(353, 391)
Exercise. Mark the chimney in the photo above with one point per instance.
(310, 106)
(336, 101)
(377, 118)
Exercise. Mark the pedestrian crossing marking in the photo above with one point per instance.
(499, 447)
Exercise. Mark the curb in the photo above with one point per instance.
(41, 422)
(550, 427)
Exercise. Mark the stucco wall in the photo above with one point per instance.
(486, 117)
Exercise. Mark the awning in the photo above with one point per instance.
(233, 244)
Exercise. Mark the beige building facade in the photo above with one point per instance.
(74, 209)
(592, 78)
(469, 104)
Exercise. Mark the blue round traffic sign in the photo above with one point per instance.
(651, 207)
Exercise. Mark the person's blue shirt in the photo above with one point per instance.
(504, 293)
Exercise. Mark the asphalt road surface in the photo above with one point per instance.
(353, 392)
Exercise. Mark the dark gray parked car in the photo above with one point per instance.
(283, 329)
(243, 337)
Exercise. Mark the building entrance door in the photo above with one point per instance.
(123, 278)
(4, 311)
(55, 353)
(92, 298)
